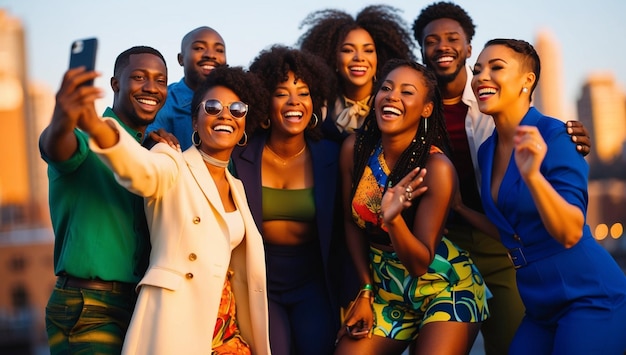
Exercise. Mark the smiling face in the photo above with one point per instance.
(402, 101)
(219, 133)
(499, 79)
(445, 48)
(202, 50)
(291, 107)
(140, 90)
(357, 61)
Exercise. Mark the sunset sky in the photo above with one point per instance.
(591, 34)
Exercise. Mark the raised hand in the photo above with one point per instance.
(530, 149)
(399, 197)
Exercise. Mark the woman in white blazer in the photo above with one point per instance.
(200, 226)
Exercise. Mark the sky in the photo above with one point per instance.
(591, 35)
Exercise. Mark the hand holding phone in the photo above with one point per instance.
(357, 329)
(83, 54)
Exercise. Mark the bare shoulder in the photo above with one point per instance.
(440, 170)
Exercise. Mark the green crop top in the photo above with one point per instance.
(292, 205)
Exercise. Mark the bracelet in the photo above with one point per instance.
(367, 294)
(367, 287)
(364, 294)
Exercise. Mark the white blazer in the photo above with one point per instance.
(180, 293)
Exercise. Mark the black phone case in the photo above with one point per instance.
(83, 53)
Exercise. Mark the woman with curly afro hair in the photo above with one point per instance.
(355, 48)
(291, 178)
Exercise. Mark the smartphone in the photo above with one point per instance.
(83, 54)
(357, 329)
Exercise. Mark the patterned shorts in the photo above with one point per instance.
(452, 290)
(227, 339)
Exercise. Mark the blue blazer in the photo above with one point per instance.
(325, 154)
(515, 213)
(552, 279)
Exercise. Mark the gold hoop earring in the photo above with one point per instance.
(317, 120)
(266, 124)
(245, 140)
(195, 135)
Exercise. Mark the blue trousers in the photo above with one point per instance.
(575, 303)
(301, 316)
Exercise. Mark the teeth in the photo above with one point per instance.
(445, 59)
(223, 127)
(391, 110)
(148, 102)
(208, 67)
(486, 91)
(293, 114)
(358, 68)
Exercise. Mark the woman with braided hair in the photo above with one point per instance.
(414, 281)
(355, 48)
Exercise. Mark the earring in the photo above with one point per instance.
(316, 120)
(245, 140)
(524, 90)
(425, 125)
(195, 136)
(266, 124)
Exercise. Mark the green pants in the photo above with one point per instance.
(505, 307)
(80, 321)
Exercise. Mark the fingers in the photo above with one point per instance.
(583, 144)
(73, 95)
(528, 137)
(162, 136)
(576, 128)
(77, 77)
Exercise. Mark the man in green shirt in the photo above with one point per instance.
(101, 236)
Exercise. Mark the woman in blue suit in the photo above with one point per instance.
(291, 180)
(535, 196)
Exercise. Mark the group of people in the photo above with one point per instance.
(333, 197)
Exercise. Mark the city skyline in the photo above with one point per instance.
(26, 246)
(584, 35)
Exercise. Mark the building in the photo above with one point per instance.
(602, 109)
(15, 196)
(27, 274)
(548, 96)
(26, 238)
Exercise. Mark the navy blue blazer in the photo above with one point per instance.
(325, 154)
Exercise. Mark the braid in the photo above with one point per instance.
(418, 151)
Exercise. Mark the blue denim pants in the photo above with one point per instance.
(82, 321)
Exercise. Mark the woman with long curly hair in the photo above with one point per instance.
(355, 48)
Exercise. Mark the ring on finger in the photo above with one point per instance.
(409, 195)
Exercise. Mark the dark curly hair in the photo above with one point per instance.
(273, 66)
(441, 10)
(417, 153)
(328, 28)
(530, 58)
(244, 84)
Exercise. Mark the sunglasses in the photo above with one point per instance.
(214, 107)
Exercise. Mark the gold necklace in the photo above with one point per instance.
(282, 160)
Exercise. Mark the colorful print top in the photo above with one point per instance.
(366, 210)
